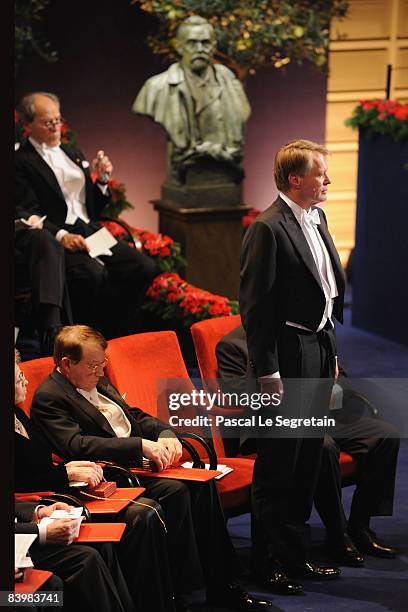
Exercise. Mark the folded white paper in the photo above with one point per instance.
(74, 513)
(100, 242)
(221, 467)
(22, 543)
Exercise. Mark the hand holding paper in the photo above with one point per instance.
(100, 242)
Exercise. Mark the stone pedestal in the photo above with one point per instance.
(210, 239)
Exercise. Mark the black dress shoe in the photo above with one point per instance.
(345, 552)
(366, 540)
(234, 597)
(279, 583)
(311, 571)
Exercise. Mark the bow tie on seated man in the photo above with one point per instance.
(53, 181)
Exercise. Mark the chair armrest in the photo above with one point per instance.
(68, 499)
(123, 225)
(212, 455)
(197, 463)
(370, 407)
(121, 475)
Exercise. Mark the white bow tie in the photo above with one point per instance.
(312, 217)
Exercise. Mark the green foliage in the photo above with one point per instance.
(381, 117)
(252, 33)
(27, 34)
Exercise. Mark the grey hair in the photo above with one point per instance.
(193, 20)
(26, 107)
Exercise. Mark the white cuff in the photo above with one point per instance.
(269, 376)
(42, 533)
(60, 234)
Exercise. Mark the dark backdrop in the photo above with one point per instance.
(103, 62)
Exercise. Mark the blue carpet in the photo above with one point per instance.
(381, 585)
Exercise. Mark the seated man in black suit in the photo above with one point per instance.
(82, 415)
(371, 441)
(54, 180)
(146, 572)
(92, 576)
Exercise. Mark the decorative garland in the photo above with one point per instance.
(173, 298)
(381, 117)
(165, 252)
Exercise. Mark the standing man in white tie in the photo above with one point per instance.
(292, 288)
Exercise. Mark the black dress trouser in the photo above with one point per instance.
(45, 257)
(107, 295)
(287, 468)
(374, 444)
(195, 549)
(92, 576)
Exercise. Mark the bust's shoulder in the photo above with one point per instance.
(224, 71)
(172, 75)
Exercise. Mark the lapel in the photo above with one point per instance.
(41, 166)
(297, 237)
(334, 256)
(80, 402)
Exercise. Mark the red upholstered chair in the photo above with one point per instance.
(35, 371)
(206, 335)
(136, 364)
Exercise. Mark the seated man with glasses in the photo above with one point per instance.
(81, 415)
(54, 188)
(146, 573)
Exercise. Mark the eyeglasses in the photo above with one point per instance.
(21, 379)
(93, 368)
(53, 123)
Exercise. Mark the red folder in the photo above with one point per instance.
(113, 505)
(33, 580)
(101, 532)
(34, 496)
(179, 473)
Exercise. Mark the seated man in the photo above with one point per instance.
(54, 180)
(91, 574)
(371, 441)
(82, 415)
(146, 572)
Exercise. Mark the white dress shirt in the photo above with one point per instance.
(321, 258)
(112, 412)
(70, 178)
(323, 264)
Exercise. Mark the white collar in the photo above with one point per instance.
(300, 213)
(40, 148)
(91, 396)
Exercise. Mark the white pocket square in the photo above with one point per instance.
(85, 164)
